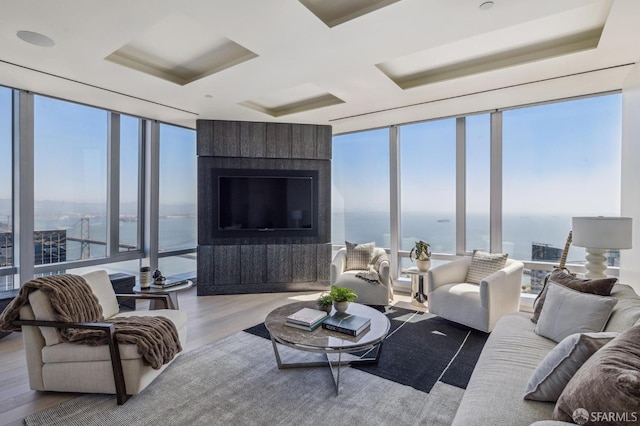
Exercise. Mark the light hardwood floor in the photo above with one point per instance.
(210, 318)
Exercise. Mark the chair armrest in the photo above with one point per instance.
(105, 326)
(338, 264)
(384, 272)
(452, 272)
(502, 288)
(162, 297)
(114, 349)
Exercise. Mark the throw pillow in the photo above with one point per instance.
(607, 384)
(484, 264)
(556, 369)
(358, 255)
(568, 311)
(600, 287)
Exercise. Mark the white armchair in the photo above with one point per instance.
(368, 293)
(116, 368)
(475, 305)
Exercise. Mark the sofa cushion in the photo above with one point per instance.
(43, 311)
(609, 382)
(601, 287)
(558, 367)
(626, 313)
(494, 394)
(567, 311)
(484, 264)
(101, 286)
(358, 255)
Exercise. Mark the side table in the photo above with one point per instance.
(172, 292)
(418, 288)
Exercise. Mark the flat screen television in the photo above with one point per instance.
(265, 203)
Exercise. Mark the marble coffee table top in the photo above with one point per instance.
(322, 339)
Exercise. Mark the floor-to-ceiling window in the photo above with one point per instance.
(89, 190)
(177, 199)
(360, 188)
(559, 160)
(70, 181)
(6, 197)
(428, 185)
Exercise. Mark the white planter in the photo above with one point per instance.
(423, 265)
(341, 306)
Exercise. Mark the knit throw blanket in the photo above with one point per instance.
(371, 274)
(73, 300)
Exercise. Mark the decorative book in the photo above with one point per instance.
(304, 327)
(169, 284)
(346, 323)
(307, 317)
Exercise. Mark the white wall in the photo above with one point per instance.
(630, 259)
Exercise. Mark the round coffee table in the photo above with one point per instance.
(325, 341)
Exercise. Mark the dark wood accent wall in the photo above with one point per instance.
(262, 264)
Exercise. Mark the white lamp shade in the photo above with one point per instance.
(602, 232)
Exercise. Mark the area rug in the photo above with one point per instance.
(421, 350)
(236, 381)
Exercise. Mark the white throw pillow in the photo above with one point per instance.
(484, 264)
(567, 311)
(556, 369)
(358, 255)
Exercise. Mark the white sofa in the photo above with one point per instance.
(494, 395)
(66, 367)
(368, 293)
(479, 306)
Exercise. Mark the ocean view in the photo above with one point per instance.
(519, 232)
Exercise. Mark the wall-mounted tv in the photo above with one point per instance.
(265, 203)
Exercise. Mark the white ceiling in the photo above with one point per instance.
(275, 60)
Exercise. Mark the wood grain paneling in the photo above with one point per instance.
(279, 266)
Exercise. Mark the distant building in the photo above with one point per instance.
(546, 253)
(49, 247)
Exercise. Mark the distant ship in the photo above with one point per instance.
(443, 220)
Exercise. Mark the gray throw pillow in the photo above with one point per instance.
(607, 384)
(600, 287)
(556, 369)
(567, 311)
(358, 255)
(484, 264)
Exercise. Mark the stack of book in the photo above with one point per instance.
(306, 319)
(168, 284)
(345, 323)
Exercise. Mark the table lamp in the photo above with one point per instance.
(599, 234)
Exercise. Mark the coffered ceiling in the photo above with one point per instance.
(356, 64)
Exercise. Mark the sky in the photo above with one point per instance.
(555, 158)
(70, 154)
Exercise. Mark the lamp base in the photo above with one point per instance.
(595, 263)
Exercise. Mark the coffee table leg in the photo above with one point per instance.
(336, 381)
(334, 376)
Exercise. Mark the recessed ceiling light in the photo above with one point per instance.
(486, 5)
(36, 39)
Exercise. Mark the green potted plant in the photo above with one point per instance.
(420, 252)
(325, 302)
(341, 297)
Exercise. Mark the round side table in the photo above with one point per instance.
(172, 292)
(418, 288)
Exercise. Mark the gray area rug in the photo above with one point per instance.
(235, 381)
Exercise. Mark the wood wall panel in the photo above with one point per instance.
(253, 260)
(262, 264)
(279, 266)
